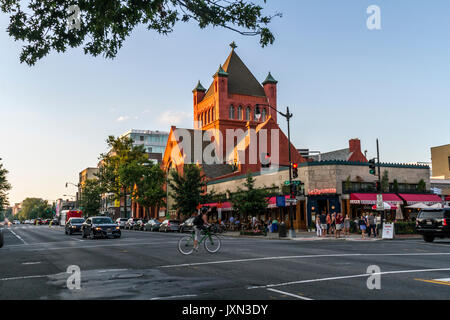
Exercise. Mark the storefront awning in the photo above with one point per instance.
(228, 206)
(371, 198)
(447, 198)
(424, 198)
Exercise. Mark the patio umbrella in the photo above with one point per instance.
(420, 205)
(399, 213)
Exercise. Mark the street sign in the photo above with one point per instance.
(380, 203)
(281, 201)
(296, 182)
(291, 201)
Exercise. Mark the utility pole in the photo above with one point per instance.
(380, 191)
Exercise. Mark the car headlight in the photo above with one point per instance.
(73, 227)
(98, 228)
(117, 228)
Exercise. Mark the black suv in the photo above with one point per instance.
(74, 225)
(433, 224)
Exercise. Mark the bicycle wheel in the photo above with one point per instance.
(186, 245)
(212, 243)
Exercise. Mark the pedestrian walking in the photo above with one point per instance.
(333, 223)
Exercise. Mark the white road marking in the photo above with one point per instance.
(17, 236)
(346, 277)
(174, 297)
(31, 263)
(290, 294)
(25, 277)
(443, 280)
(111, 270)
(303, 257)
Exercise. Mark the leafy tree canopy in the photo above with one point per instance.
(33, 208)
(5, 186)
(187, 189)
(91, 197)
(249, 200)
(104, 25)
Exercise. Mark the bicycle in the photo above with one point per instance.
(210, 241)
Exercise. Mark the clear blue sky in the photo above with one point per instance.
(340, 80)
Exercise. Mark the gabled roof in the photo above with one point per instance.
(240, 78)
(199, 87)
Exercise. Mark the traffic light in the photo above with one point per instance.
(295, 170)
(372, 167)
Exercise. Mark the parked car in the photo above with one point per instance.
(169, 225)
(152, 225)
(73, 225)
(121, 222)
(96, 227)
(187, 225)
(140, 224)
(130, 223)
(55, 222)
(46, 221)
(433, 224)
(16, 222)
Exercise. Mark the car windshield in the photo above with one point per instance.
(101, 220)
(431, 215)
(77, 220)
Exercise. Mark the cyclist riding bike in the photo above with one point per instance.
(200, 224)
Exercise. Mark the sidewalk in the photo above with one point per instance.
(311, 236)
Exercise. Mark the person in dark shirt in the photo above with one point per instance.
(323, 223)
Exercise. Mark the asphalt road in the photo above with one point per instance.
(147, 265)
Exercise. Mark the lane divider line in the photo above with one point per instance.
(17, 236)
(289, 294)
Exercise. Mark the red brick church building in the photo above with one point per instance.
(235, 100)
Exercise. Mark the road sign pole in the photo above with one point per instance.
(379, 183)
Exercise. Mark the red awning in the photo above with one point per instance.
(371, 198)
(447, 198)
(418, 198)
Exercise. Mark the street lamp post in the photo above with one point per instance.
(288, 117)
(78, 187)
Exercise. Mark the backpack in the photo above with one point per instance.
(198, 221)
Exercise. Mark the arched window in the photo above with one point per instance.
(263, 114)
(212, 114)
(248, 111)
(239, 115)
(209, 116)
(232, 112)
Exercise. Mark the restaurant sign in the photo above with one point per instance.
(316, 192)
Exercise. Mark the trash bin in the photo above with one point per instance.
(282, 230)
(1, 238)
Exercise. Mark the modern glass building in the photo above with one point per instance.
(153, 141)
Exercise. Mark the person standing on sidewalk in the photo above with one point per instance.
(372, 225)
(323, 223)
(346, 225)
(318, 227)
(339, 225)
(362, 225)
(328, 224)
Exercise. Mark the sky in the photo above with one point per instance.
(339, 79)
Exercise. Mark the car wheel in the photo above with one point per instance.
(428, 238)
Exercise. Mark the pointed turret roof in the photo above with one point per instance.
(269, 79)
(240, 78)
(221, 72)
(199, 87)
